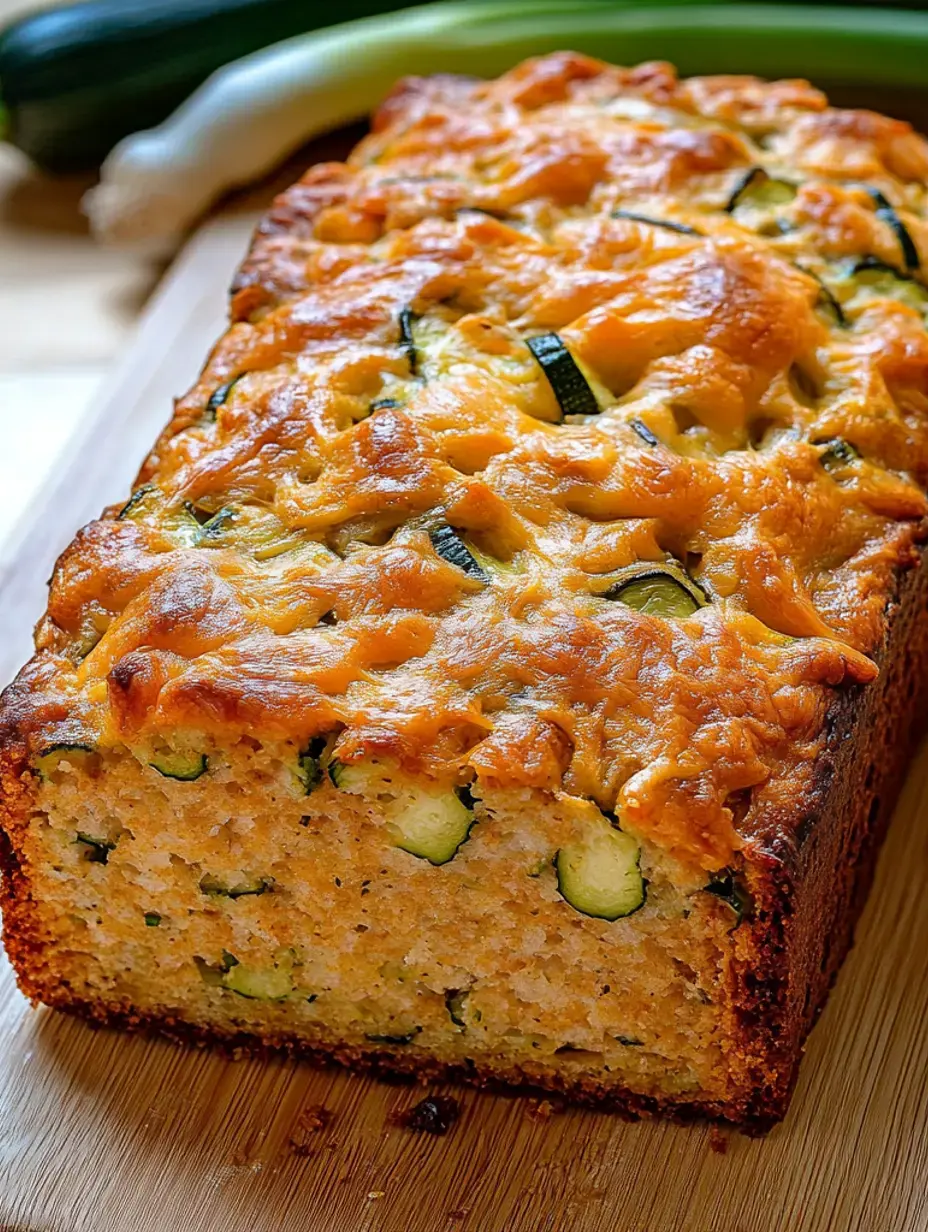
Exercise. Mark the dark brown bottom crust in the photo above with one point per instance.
(417, 1067)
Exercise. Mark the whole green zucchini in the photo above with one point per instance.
(75, 80)
(252, 113)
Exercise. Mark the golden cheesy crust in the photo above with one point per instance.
(734, 268)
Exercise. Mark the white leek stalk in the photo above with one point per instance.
(249, 116)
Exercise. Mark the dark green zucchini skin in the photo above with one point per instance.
(75, 80)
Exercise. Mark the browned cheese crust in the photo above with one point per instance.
(756, 348)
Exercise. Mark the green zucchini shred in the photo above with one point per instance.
(728, 889)
(152, 919)
(407, 319)
(219, 521)
(827, 299)
(309, 764)
(200, 515)
(182, 524)
(455, 1000)
(887, 281)
(394, 1039)
(217, 887)
(134, 501)
(840, 453)
(641, 429)
(680, 228)
(98, 848)
(886, 212)
(335, 771)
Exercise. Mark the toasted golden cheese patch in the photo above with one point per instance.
(535, 333)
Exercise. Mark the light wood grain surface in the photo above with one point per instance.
(105, 1133)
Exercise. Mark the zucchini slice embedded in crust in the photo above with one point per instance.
(886, 212)
(758, 188)
(449, 546)
(309, 763)
(599, 874)
(658, 590)
(350, 778)
(883, 281)
(571, 388)
(433, 826)
(430, 824)
(827, 301)
(77, 754)
(219, 396)
(394, 1039)
(134, 500)
(407, 342)
(185, 767)
(259, 983)
(641, 430)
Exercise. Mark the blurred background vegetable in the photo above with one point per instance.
(77, 78)
(251, 114)
(77, 81)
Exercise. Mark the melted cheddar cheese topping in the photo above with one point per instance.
(728, 263)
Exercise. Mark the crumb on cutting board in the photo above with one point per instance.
(542, 1109)
(718, 1142)
(433, 1115)
(312, 1120)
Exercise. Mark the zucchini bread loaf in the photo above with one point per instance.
(511, 647)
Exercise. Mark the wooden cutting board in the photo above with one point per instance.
(101, 1132)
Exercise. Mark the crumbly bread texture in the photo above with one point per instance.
(509, 653)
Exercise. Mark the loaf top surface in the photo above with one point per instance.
(572, 434)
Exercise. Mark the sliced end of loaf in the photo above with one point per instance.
(271, 896)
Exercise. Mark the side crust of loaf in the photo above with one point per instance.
(820, 871)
